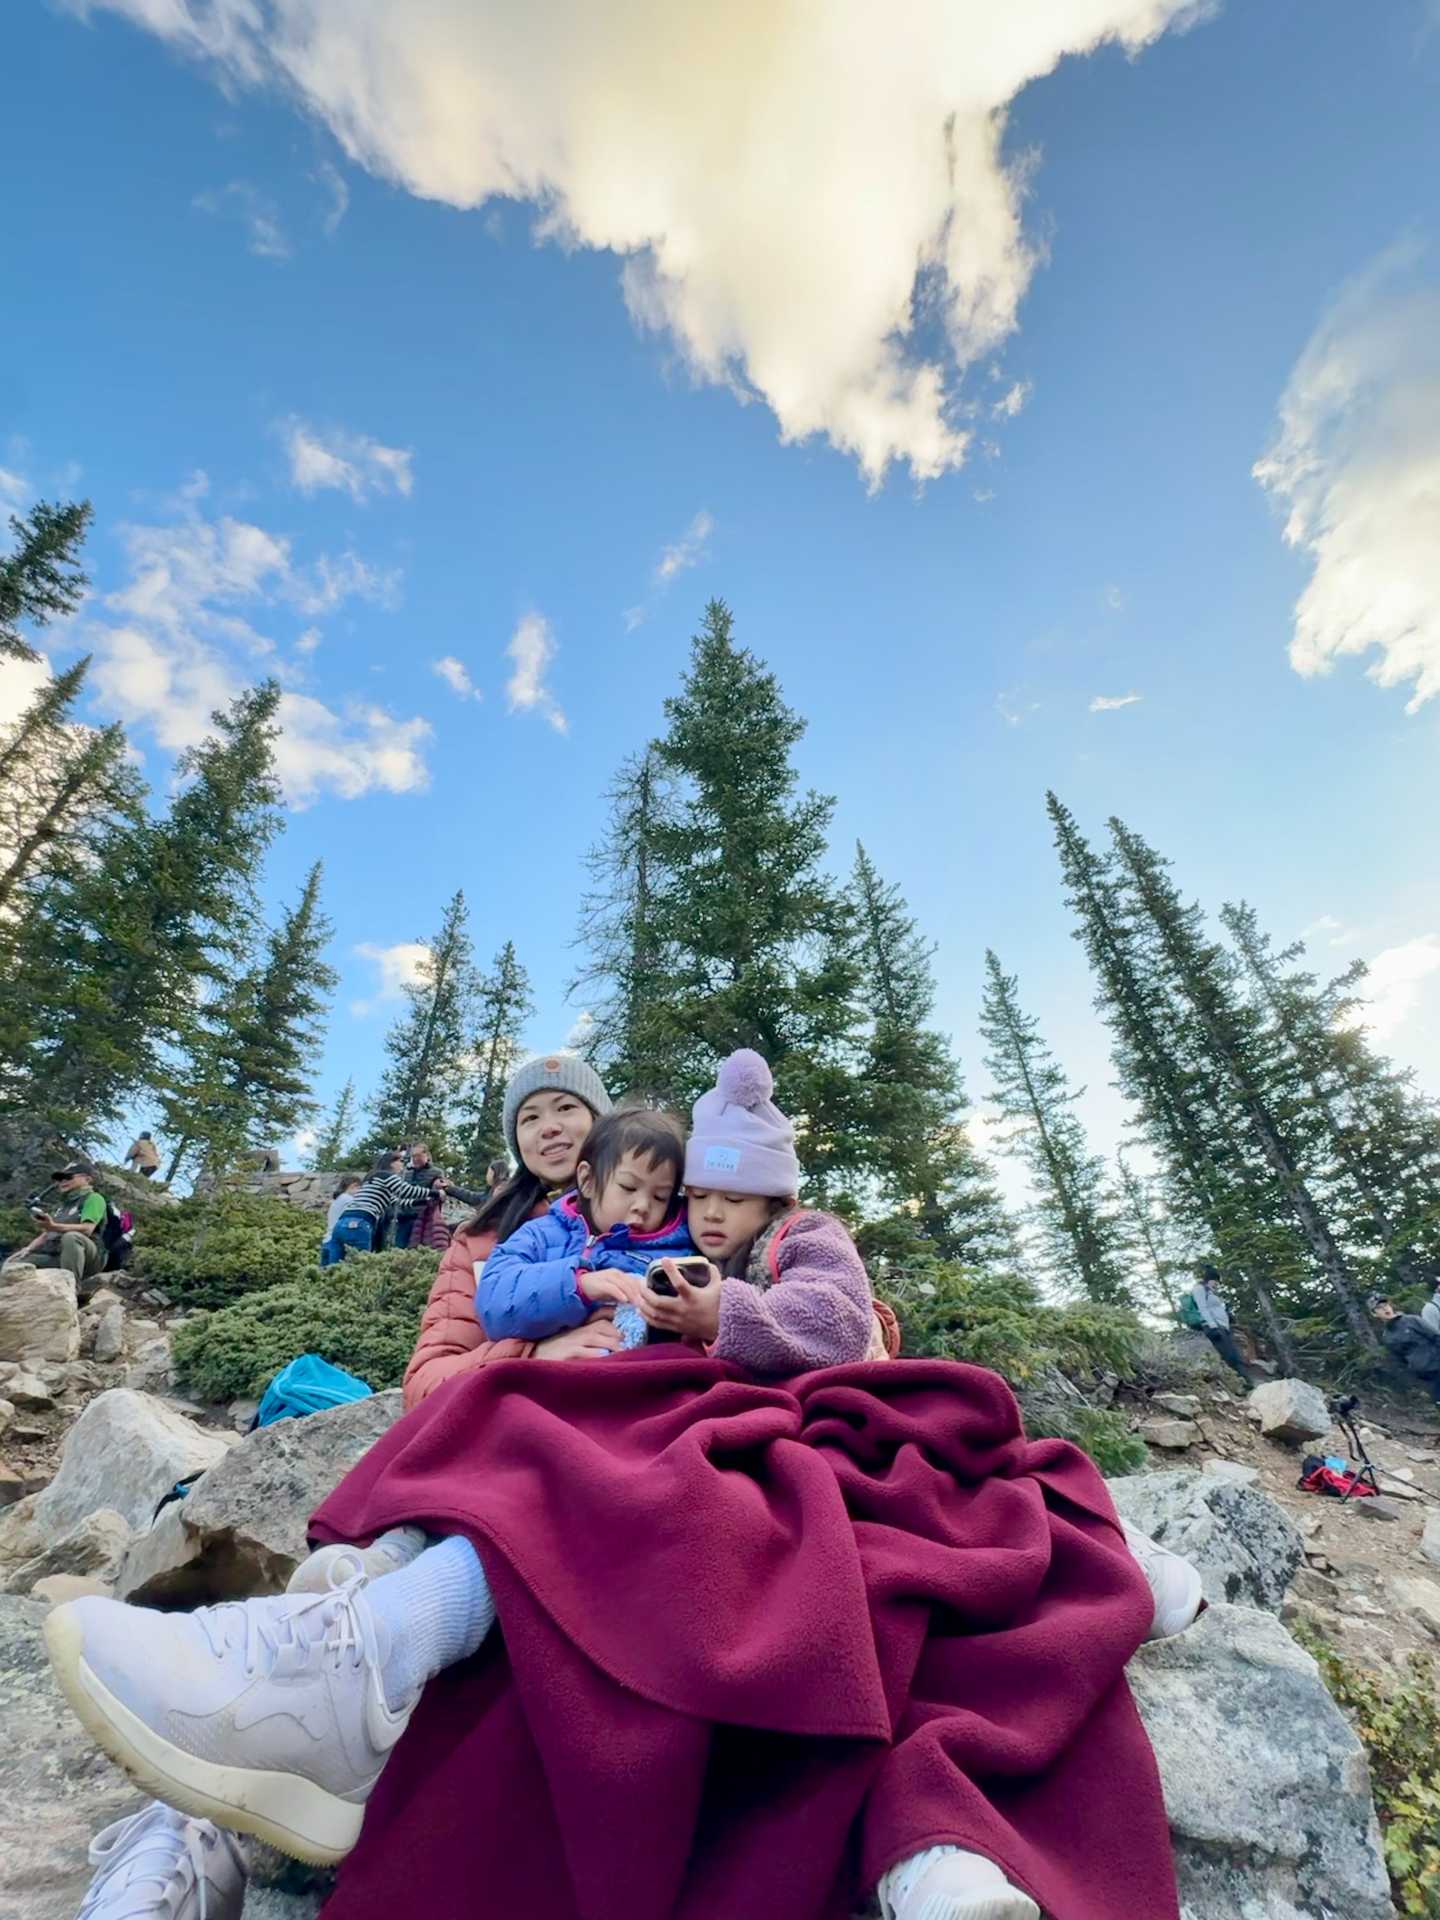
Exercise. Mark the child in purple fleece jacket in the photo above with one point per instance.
(788, 1292)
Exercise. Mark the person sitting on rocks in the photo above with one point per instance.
(72, 1237)
(1412, 1342)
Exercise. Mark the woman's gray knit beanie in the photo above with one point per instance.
(544, 1072)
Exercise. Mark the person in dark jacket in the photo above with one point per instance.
(423, 1172)
(1411, 1341)
(361, 1227)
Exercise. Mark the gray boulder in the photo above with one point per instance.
(1267, 1788)
(1235, 1471)
(241, 1530)
(110, 1333)
(125, 1451)
(39, 1315)
(1290, 1410)
(1174, 1435)
(152, 1368)
(1240, 1539)
(95, 1547)
(56, 1789)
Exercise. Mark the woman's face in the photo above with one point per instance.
(722, 1223)
(550, 1129)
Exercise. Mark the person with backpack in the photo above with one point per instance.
(74, 1236)
(1412, 1342)
(1203, 1310)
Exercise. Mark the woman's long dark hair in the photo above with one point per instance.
(510, 1206)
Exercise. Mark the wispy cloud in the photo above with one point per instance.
(337, 192)
(1356, 461)
(749, 271)
(14, 493)
(456, 676)
(532, 648)
(1113, 599)
(688, 551)
(1397, 981)
(396, 968)
(351, 463)
(265, 235)
(1013, 709)
(1112, 702)
(309, 640)
(1012, 400)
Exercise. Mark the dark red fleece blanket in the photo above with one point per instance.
(758, 1643)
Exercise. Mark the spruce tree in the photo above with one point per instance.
(938, 1194)
(246, 1081)
(1241, 1053)
(40, 578)
(1082, 1239)
(503, 1004)
(331, 1152)
(757, 942)
(633, 1040)
(425, 1045)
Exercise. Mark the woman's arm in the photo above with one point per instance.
(817, 1314)
(525, 1290)
(452, 1340)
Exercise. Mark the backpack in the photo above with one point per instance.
(1318, 1477)
(1190, 1314)
(117, 1235)
(308, 1385)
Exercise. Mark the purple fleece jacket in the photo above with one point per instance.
(804, 1301)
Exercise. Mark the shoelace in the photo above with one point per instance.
(174, 1844)
(268, 1632)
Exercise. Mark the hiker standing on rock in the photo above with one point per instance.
(144, 1156)
(1411, 1340)
(1203, 1309)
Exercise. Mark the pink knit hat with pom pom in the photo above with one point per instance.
(739, 1140)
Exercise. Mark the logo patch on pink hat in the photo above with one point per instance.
(722, 1159)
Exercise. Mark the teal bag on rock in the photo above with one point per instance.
(308, 1385)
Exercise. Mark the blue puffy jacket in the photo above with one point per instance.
(528, 1288)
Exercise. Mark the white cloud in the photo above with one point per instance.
(1011, 401)
(1396, 984)
(337, 188)
(265, 235)
(396, 968)
(578, 1038)
(1012, 709)
(1113, 599)
(741, 163)
(179, 638)
(20, 681)
(456, 676)
(309, 640)
(532, 648)
(1357, 462)
(14, 491)
(1112, 702)
(688, 551)
(351, 462)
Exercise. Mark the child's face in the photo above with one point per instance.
(722, 1223)
(639, 1195)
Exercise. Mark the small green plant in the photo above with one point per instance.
(362, 1315)
(209, 1251)
(1398, 1722)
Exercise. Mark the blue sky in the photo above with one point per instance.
(404, 335)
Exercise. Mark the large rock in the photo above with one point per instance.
(1174, 1435)
(39, 1315)
(125, 1451)
(242, 1529)
(110, 1333)
(152, 1370)
(55, 1787)
(1430, 1539)
(1419, 1600)
(1290, 1410)
(1267, 1788)
(1240, 1539)
(95, 1547)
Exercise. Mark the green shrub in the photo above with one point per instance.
(17, 1229)
(208, 1251)
(1398, 1722)
(362, 1315)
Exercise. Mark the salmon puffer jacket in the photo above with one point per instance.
(452, 1340)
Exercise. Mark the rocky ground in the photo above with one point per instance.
(1266, 1785)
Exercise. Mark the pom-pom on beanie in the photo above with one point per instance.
(740, 1142)
(547, 1072)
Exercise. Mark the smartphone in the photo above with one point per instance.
(695, 1269)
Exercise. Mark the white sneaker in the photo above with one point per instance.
(162, 1865)
(1174, 1582)
(945, 1883)
(266, 1716)
(331, 1567)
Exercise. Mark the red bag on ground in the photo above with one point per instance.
(759, 1643)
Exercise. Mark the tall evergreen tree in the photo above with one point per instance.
(939, 1194)
(427, 1042)
(1215, 1181)
(503, 1004)
(758, 942)
(59, 784)
(633, 1039)
(1151, 1232)
(332, 1149)
(1082, 1239)
(1380, 1137)
(1241, 1053)
(246, 1080)
(40, 577)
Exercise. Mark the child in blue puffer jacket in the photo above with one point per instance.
(587, 1250)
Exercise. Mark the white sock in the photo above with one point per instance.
(437, 1610)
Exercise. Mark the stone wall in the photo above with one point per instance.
(311, 1191)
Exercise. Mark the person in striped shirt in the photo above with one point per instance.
(361, 1227)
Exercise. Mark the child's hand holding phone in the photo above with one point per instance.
(612, 1283)
(682, 1297)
